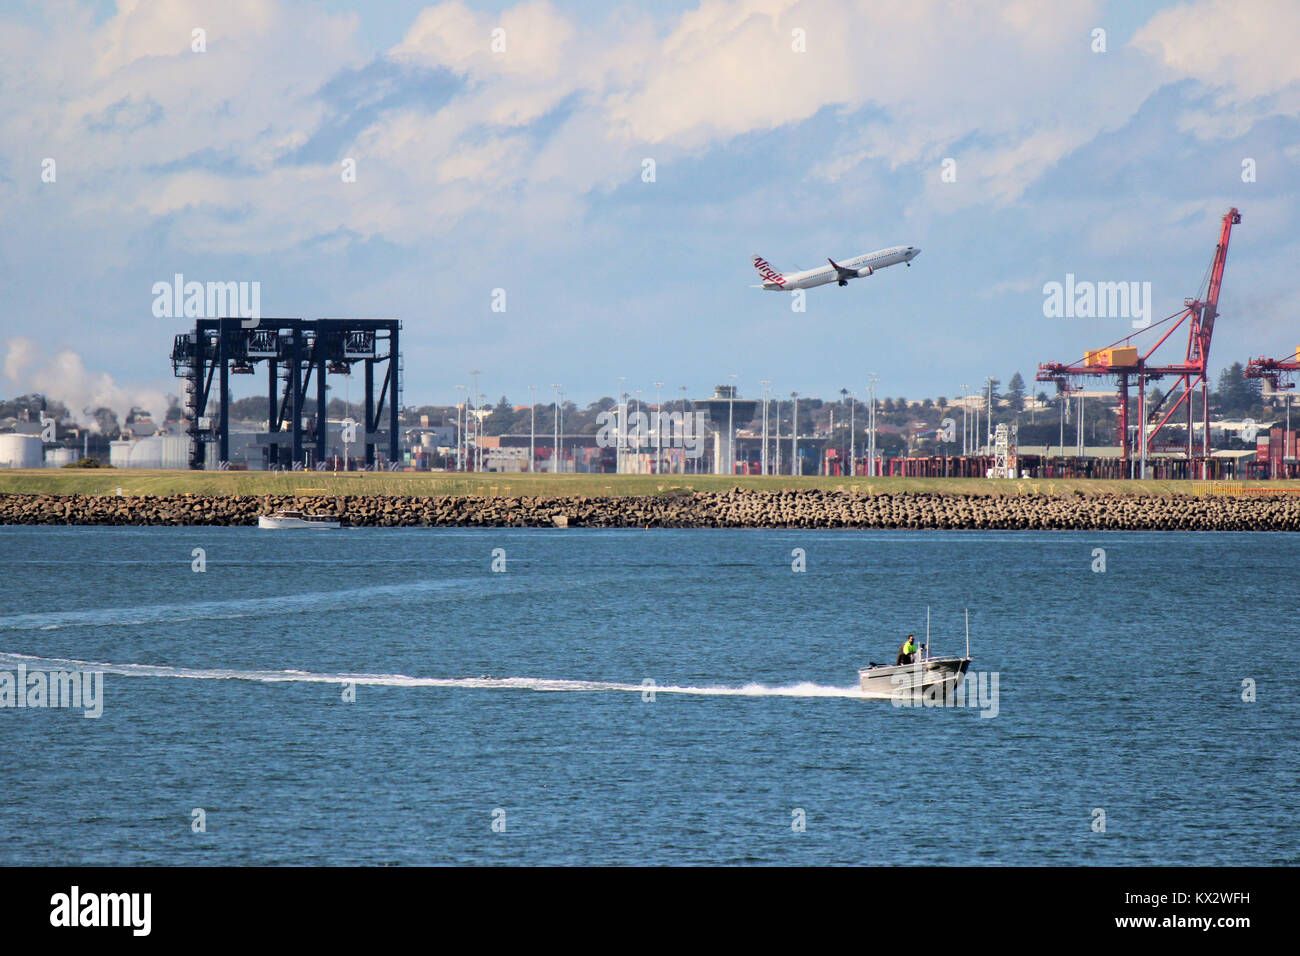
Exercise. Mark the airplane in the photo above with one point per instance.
(859, 267)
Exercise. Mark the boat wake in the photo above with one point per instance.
(802, 689)
(418, 592)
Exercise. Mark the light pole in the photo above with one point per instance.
(1062, 398)
(1082, 440)
(871, 445)
(1142, 424)
(640, 439)
(347, 414)
(731, 429)
(555, 445)
(853, 448)
(623, 431)
(620, 440)
(988, 415)
(871, 426)
(659, 427)
(794, 433)
(965, 421)
(474, 429)
(1065, 411)
(532, 428)
(478, 440)
(699, 438)
(844, 397)
(460, 432)
(776, 441)
(765, 383)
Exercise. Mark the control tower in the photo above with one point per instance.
(726, 413)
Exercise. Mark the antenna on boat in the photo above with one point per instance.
(968, 633)
(927, 633)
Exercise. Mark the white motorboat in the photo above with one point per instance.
(296, 519)
(937, 675)
(926, 675)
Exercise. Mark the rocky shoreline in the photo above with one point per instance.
(734, 509)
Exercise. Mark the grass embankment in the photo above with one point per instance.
(106, 481)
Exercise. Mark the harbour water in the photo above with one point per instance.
(648, 697)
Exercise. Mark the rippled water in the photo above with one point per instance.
(524, 692)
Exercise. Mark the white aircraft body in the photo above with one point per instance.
(859, 267)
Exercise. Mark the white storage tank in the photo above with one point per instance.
(156, 451)
(59, 456)
(175, 451)
(119, 454)
(21, 451)
(145, 453)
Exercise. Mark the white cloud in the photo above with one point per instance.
(142, 31)
(1245, 48)
(536, 41)
(932, 75)
(152, 137)
(1242, 54)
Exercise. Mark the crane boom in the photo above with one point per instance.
(1209, 309)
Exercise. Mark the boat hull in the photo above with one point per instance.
(280, 523)
(939, 675)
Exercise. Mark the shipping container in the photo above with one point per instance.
(1120, 357)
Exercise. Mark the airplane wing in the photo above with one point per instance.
(842, 273)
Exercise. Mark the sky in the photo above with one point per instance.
(1015, 142)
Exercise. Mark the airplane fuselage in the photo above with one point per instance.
(855, 268)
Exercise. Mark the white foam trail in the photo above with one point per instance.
(802, 689)
(426, 590)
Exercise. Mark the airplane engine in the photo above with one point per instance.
(864, 272)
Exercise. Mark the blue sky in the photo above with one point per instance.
(521, 170)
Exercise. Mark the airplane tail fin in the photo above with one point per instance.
(766, 270)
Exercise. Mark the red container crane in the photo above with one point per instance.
(1276, 371)
(1127, 364)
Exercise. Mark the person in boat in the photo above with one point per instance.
(907, 652)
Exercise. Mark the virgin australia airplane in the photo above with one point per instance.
(859, 267)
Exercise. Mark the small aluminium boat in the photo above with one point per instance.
(938, 676)
(296, 519)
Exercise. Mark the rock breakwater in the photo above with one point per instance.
(734, 509)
